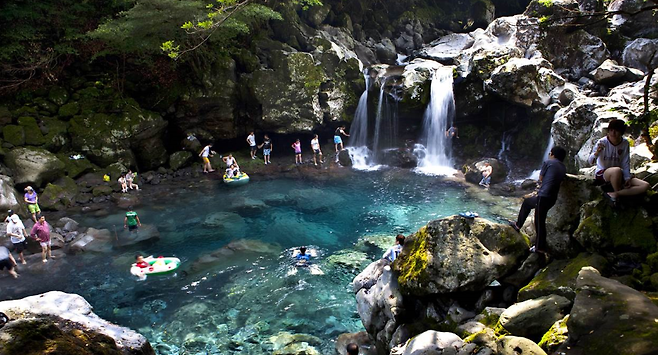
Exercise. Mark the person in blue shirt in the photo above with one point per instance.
(393, 252)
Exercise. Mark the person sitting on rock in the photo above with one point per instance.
(486, 175)
(130, 176)
(393, 252)
(123, 183)
(613, 163)
(551, 175)
(7, 261)
(32, 201)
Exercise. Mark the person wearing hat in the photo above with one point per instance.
(32, 201)
(16, 231)
(613, 163)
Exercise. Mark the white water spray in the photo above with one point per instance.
(435, 158)
(535, 174)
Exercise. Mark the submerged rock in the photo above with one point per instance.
(69, 324)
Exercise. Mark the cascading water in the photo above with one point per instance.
(504, 148)
(535, 174)
(435, 155)
(358, 149)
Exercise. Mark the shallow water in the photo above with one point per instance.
(236, 299)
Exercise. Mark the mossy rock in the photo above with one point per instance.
(34, 166)
(57, 137)
(59, 195)
(603, 228)
(559, 277)
(555, 336)
(58, 95)
(26, 111)
(74, 168)
(14, 135)
(69, 110)
(5, 116)
(33, 134)
(652, 261)
(179, 159)
(44, 337)
(102, 190)
(114, 170)
(46, 105)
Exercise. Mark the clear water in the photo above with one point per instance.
(236, 301)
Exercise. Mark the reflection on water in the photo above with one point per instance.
(235, 292)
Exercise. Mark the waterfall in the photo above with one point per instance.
(359, 153)
(435, 155)
(504, 147)
(535, 174)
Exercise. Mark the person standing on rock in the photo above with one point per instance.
(393, 252)
(315, 146)
(613, 163)
(16, 231)
(8, 262)
(352, 349)
(267, 149)
(205, 155)
(41, 232)
(551, 175)
(486, 175)
(32, 201)
(131, 221)
(338, 141)
(251, 140)
(297, 147)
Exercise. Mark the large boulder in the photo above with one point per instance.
(59, 195)
(609, 72)
(34, 166)
(512, 345)
(605, 309)
(473, 170)
(606, 229)
(54, 314)
(637, 54)
(456, 254)
(630, 18)
(559, 277)
(585, 52)
(379, 302)
(532, 318)
(525, 82)
(130, 137)
(179, 159)
(10, 199)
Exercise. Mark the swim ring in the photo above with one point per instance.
(158, 266)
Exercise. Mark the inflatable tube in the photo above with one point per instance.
(157, 266)
(241, 179)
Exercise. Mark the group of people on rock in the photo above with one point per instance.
(18, 235)
(612, 157)
(267, 146)
(126, 181)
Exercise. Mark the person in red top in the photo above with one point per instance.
(139, 261)
(41, 232)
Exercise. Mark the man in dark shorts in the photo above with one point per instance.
(17, 233)
(131, 221)
(551, 175)
(7, 262)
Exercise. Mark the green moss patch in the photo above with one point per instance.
(14, 135)
(412, 267)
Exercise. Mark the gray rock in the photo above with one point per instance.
(605, 309)
(532, 318)
(34, 166)
(433, 342)
(469, 328)
(631, 21)
(609, 72)
(637, 54)
(385, 51)
(10, 199)
(511, 345)
(456, 254)
(586, 52)
(75, 309)
(179, 159)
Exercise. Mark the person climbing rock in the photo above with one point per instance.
(338, 141)
(551, 175)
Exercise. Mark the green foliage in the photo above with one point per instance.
(147, 26)
(546, 3)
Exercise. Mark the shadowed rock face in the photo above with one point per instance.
(605, 309)
(456, 254)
